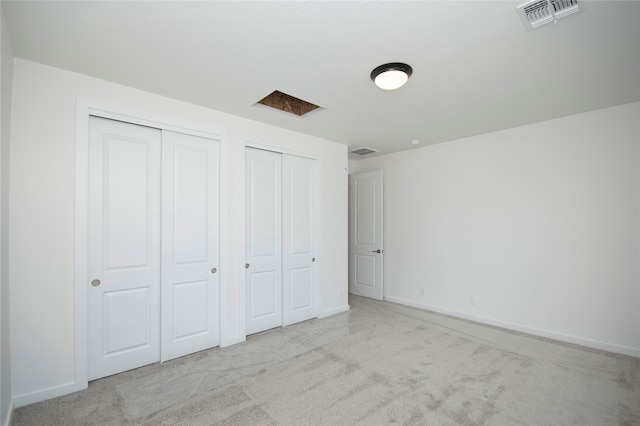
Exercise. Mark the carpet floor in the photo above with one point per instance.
(379, 363)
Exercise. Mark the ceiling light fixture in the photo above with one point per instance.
(391, 76)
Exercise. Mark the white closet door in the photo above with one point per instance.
(299, 217)
(263, 249)
(124, 247)
(190, 280)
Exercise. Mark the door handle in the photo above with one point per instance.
(246, 266)
(378, 251)
(214, 270)
(95, 283)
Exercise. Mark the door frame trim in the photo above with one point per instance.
(84, 109)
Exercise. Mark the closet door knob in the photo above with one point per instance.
(313, 260)
(214, 270)
(95, 283)
(246, 266)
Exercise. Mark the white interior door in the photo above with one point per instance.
(124, 247)
(190, 279)
(263, 250)
(299, 217)
(365, 199)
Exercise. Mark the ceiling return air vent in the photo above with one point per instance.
(540, 12)
(363, 151)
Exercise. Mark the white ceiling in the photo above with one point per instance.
(476, 68)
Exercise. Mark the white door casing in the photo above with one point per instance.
(366, 221)
(263, 235)
(124, 247)
(190, 224)
(299, 218)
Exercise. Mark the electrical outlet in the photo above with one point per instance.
(472, 301)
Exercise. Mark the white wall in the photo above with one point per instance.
(6, 73)
(42, 210)
(540, 224)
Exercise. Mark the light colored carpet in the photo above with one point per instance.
(380, 363)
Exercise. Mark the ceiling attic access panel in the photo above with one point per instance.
(287, 103)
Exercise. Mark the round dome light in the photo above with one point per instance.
(391, 76)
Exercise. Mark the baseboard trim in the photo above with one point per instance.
(594, 344)
(334, 311)
(9, 417)
(43, 395)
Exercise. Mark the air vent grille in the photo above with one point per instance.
(562, 8)
(363, 151)
(540, 12)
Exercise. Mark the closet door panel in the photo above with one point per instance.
(190, 222)
(299, 238)
(124, 247)
(263, 250)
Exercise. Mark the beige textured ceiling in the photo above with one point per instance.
(476, 69)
